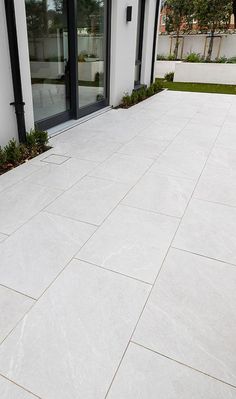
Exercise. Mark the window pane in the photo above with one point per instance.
(48, 47)
(91, 51)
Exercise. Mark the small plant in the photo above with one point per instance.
(169, 77)
(193, 57)
(161, 57)
(141, 94)
(171, 57)
(222, 60)
(134, 97)
(232, 60)
(150, 91)
(13, 154)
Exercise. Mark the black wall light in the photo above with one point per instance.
(129, 13)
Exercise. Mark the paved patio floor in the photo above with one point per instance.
(118, 257)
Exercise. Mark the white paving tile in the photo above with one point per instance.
(21, 202)
(190, 316)
(72, 341)
(142, 147)
(9, 390)
(122, 168)
(160, 131)
(33, 256)
(131, 241)
(55, 159)
(160, 193)
(227, 137)
(146, 375)
(91, 200)
(13, 307)
(97, 150)
(62, 176)
(180, 161)
(218, 181)
(17, 174)
(208, 229)
(2, 237)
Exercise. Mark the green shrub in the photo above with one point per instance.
(193, 57)
(161, 57)
(171, 57)
(126, 100)
(169, 77)
(2, 157)
(13, 152)
(232, 60)
(142, 94)
(221, 60)
(134, 98)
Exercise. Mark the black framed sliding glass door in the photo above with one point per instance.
(92, 42)
(69, 58)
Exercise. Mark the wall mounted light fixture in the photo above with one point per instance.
(129, 14)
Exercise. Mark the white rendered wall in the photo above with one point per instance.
(205, 73)
(148, 38)
(8, 127)
(196, 44)
(164, 67)
(123, 50)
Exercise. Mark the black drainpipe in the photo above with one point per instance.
(155, 40)
(15, 69)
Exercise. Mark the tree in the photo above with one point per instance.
(179, 17)
(234, 12)
(213, 15)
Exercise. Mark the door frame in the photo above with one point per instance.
(141, 24)
(75, 112)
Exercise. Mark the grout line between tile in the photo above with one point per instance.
(183, 364)
(112, 271)
(20, 386)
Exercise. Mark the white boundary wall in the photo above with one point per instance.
(205, 73)
(196, 43)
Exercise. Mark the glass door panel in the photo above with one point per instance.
(91, 31)
(48, 47)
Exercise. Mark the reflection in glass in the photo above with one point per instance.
(91, 51)
(48, 47)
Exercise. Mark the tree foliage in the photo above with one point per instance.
(213, 14)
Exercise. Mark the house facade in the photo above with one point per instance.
(65, 59)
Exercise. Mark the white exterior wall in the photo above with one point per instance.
(123, 50)
(8, 125)
(164, 67)
(148, 37)
(8, 129)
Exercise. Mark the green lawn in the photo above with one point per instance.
(198, 87)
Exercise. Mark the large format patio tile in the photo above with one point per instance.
(181, 162)
(218, 181)
(142, 147)
(122, 168)
(17, 174)
(146, 375)
(33, 256)
(2, 237)
(190, 315)
(131, 241)
(161, 131)
(95, 149)
(208, 229)
(72, 341)
(227, 137)
(22, 201)
(160, 193)
(62, 176)
(9, 390)
(90, 200)
(13, 307)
